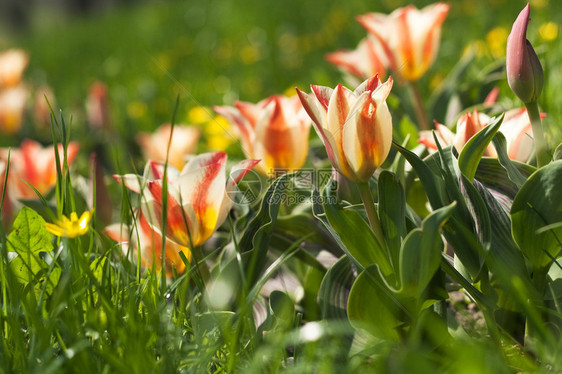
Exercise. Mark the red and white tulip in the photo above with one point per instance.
(197, 201)
(516, 127)
(147, 244)
(355, 126)
(35, 165)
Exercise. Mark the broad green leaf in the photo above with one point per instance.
(373, 306)
(504, 259)
(31, 269)
(420, 256)
(359, 240)
(512, 172)
(459, 230)
(557, 153)
(335, 288)
(282, 307)
(433, 186)
(392, 213)
(493, 175)
(257, 236)
(29, 234)
(539, 204)
(475, 147)
(479, 212)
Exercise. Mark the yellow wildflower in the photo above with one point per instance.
(72, 227)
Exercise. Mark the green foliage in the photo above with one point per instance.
(536, 215)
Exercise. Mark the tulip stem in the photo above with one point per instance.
(541, 146)
(419, 107)
(369, 203)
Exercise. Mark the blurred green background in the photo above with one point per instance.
(212, 52)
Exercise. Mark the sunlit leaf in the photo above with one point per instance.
(539, 204)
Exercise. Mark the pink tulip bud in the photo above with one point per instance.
(524, 71)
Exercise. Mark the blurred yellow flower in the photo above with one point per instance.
(496, 40)
(70, 227)
(218, 133)
(136, 109)
(199, 114)
(548, 31)
(539, 3)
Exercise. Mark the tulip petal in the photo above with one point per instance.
(244, 127)
(280, 143)
(179, 225)
(367, 136)
(318, 115)
(202, 185)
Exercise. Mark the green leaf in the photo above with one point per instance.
(433, 186)
(29, 234)
(282, 307)
(257, 236)
(392, 212)
(513, 173)
(557, 153)
(420, 256)
(474, 149)
(334, 290)
(539, 204)
(493, 175)
(373, 306)
(359, 240)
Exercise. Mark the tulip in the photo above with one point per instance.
(409, 37)
(155, 146)
(44, 97)
(274, 130)
(364, 62)
(97, 106)
(36, 165)
(148, 243)
(516, 127)
(524, 71)
(525, 78)
(12, 108)
(197, 199)
(518, 132)
(13, 63)
(355, 126)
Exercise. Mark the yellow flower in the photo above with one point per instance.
(72, 227)
(548, 31)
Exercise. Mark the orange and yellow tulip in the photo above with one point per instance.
(148, 243)
(355, 126)
(409, 37)
(274, 130)
(155, 146)
(197, 199)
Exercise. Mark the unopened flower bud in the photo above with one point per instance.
(524, 71)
